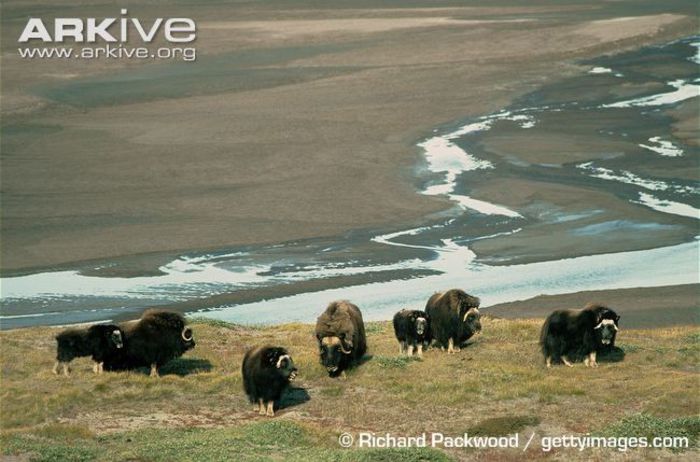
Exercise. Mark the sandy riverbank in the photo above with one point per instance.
(640, 308)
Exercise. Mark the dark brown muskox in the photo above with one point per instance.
(578, 333)
(158, 337)
(454, 318)
(412, 330)
(340, 332)
(267, 372)
(98, 341)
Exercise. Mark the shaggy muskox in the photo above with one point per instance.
(454, 318)
(578, 333)
(340, 332)
(152, 341)
(412, 330)
(267, 372)
(98, 341)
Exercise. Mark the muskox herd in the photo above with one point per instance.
(448, 321)
(151, 341)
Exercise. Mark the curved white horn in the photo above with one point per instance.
(342, 348)
(282, 358)
(185, 331)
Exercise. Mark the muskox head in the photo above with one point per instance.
(421, 325)
(285, 367)
(606, 329)
(333, 351)
(187, 338)
(115, 338)
(471, 319)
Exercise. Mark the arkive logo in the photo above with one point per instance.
(110, 30)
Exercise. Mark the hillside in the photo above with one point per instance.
(496, 386)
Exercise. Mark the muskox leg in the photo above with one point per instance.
(409, 352)
(451, 348)
(420, 350)
(591, 359)
(270, 409)
(66, 369)
(97, 367)
(566, 361)
(261, 407)
(154, 370)
(402, 347)
(548, 362)
(55, 367)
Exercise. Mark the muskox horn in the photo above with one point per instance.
(187, 334)
(343, 348)
(604, 322)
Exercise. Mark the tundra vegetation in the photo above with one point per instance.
(496, 385)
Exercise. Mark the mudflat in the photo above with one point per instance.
(639, 308)
(293, 122)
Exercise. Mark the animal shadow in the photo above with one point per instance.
(611, 355)
(185, 366)
(293, 396)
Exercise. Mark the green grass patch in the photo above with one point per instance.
(649, 426)
(270, 440)
(375, 327)
(504, 425)
(394, 362)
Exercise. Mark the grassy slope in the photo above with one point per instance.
(197, 410)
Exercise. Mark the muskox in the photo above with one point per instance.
(412, 330)
(578, 333)
(158, 337)
(98, 341)
(340, 333)
(454, 318)
(267, 371)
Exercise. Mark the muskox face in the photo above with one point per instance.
(115, 338)
(606, 330)
(421, 325)
(187, 338)
(333, 350)
(285, 367)
(472, 320)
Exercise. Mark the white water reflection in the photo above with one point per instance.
(666, 206)
(494, 284)
(683, 90)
